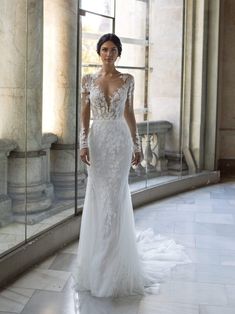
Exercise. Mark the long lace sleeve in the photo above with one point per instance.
(83, 138)
(130, 109)
(136, 143)
(85, 112)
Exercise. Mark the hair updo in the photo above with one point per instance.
(109, 37)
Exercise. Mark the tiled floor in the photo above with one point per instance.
(202, 220)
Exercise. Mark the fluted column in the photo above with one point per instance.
(21, 41)
(59, 98)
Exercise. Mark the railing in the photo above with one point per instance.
(153, 139)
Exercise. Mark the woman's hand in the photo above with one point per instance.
(136, 159)
(84, 155)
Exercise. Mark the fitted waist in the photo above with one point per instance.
(108, 119)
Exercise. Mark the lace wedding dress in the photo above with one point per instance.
(113, 258)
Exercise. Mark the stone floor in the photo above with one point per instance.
(202, 220)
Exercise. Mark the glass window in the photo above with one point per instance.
(93, 27)
(95, 24)
(131, 19)
(139, 93)
(133, 55)
(50, 173)
(105, 7)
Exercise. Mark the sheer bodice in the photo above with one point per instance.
(108, 107)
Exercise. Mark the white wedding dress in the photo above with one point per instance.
(113, 258)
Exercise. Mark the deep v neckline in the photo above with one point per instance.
(109, 98)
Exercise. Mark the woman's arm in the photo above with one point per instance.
(85, 121)
(130, 118)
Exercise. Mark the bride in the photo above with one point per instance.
(113, 259)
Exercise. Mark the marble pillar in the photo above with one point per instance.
(21, 41)
(199, 112)
(59, 94)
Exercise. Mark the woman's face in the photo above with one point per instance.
(108, 52)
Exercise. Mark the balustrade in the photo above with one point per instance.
(152, 139)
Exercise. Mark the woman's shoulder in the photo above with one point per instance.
(86, 77)
(128, 77)
(89, 77)
(86, 83)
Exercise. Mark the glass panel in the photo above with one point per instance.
(131, 19)
(105, 7)
(132, 55)
(92, 28)
(94, 24)
(89, 54)
(139, 93)
(164, 92)
(12, 125)
(51, 138)
(90, 69)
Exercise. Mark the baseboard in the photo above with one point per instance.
(227, 167)
(38, 249)
(176, 186)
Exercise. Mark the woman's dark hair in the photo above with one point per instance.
(109, 37)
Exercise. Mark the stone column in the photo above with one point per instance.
(21, 41)
(5, 202)
(59, 98)
(196, 83)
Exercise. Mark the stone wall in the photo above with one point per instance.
(226, 132)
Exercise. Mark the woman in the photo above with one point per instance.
(111, 262)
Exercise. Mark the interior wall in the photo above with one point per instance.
(226, 123)
(166, 35)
